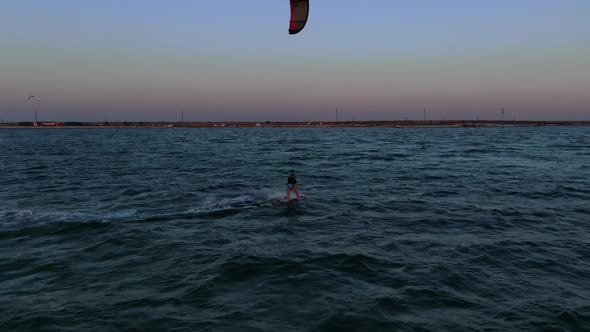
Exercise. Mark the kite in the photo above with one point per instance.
(299, 14)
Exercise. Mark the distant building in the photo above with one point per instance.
(47, 124)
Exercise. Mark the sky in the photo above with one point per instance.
(233, 60)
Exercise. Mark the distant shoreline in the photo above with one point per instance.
(317, 124)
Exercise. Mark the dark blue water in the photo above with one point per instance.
(403, 229)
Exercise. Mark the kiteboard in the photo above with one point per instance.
(296, 198)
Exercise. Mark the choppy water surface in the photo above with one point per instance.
(404, 229)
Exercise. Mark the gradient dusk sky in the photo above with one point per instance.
(221, 60)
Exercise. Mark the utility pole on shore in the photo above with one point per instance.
(502, 112)
(31, 100)
(424, 114)
(336, 114)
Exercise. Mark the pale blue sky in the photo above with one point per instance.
(234, 60)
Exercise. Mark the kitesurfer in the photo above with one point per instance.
(292, 185)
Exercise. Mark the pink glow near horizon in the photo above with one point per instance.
(153, 70)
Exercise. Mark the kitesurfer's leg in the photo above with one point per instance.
(296, 188)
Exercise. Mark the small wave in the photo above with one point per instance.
(351, 322)
(440, 193)
(15, 217)
(225, 186)
(325, 177)
(560, 191)
(570, 189)
(479, 151)
(296, 150)
(429, 297)
(53, 228)
(357, 264)
(292, 164)
(388, 157)
(575, 320)
(571, 147)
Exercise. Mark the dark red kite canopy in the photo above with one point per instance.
(299, 13)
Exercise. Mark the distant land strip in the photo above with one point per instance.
(273, 124)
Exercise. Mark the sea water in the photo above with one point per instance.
(424, 229)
